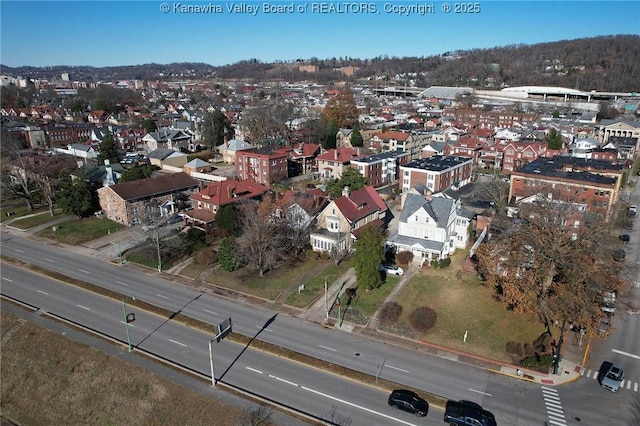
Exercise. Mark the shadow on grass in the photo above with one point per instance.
(266, 324)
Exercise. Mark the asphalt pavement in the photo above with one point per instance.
(573, 353)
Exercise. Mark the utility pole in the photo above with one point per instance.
(128, 318)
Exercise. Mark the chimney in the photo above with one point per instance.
(427, 194)
(229, 191)
(345, 191)
(335, 154)
(107, 162)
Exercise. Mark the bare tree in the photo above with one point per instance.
(49, 175)
(267, 119)
(259, 416)
(263, 243)
(16, 170)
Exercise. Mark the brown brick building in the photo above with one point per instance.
(265, 165)
(437, 173)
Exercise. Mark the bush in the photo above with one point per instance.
(434, 264)
(390, 312)
(404, 257)
(445, 262)
(422, 319)
(206, 256)
(538, 361)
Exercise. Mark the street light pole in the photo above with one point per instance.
(126, 318)
(213, 376)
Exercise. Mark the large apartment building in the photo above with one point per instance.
(593, 183)
(381, 169)
(265, 165)
(436, 173)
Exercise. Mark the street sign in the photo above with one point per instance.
(223, 330)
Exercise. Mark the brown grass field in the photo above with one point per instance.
(49, 380)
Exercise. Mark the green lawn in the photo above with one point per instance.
(368, 301)
(41, 217)
(314, 286)
(78, 231)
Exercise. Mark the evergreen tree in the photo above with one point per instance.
(215, 128)
(149, 125)
(229, 255)
(76, 196)
(108, 150)
(350, 177)
(554, 139)
(136, 173)
(356, 138)
(369, 256)
(226, 219)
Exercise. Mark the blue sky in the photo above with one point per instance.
(132, 32)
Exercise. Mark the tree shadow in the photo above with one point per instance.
(266, 325)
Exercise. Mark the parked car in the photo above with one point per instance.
(608, 307)
(610, 376)
(391, 269)
(624, 238)
(633, 210)
(619, 255)
(468, 413)
(409, 401)
(173, 219)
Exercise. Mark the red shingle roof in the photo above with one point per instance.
(361, 203)
(229, 191)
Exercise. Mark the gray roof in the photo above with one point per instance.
(161, 153)
(444, 92)
(238, 144)
(438, 208)
(427, 245)
(196, 162)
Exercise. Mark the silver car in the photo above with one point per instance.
(610, 376)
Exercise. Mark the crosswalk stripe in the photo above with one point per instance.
(635, 387)
(557, 423)
(556, 416)
(553, 397)
(555, 412)
(628, 384)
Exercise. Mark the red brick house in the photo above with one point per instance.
(436, 173)
(517, 154)
(133, 202)
(209, 200)
(265, 165)
(332, 163)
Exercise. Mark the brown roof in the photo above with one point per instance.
(360, 203)
(229, 191)
(157, 185)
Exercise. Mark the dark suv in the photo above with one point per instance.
(468, 413)
(408, 401)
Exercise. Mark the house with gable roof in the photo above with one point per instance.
(342, 221)
(167, 157)
(431, 226)
(131, 203)
(305, 204)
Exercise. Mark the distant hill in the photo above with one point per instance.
(607, 63)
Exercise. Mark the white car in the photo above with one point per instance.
(391, 269)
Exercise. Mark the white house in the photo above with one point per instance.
(431, 227)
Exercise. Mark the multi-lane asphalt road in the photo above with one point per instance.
(513, 401)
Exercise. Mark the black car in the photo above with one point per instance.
(467, 413)
(408, 401)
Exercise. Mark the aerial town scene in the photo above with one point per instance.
(320, 213)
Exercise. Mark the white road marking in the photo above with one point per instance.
(128, 324)
(635, 387)
(351, 404)
(177, 343)
(284, 381)
(266, 329)
(7, 279)
(86, 272)
(557, 423)
(43, 292)
(480, 392)
(328, 348)
(396, 368)
(49, 260)
(626, 354)
(83, 307)
(160, 295)
(121, 283)
(254, 370)
(19, 251)
(210, 312)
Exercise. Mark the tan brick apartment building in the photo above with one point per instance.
(437, 173)
(265, 165)
(594, 183)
